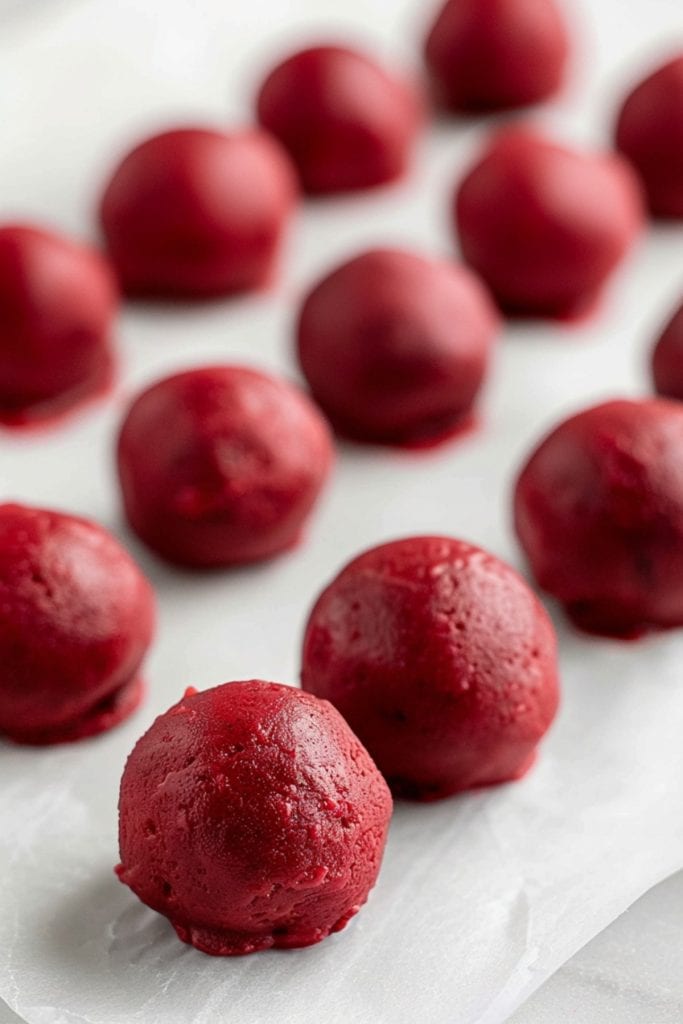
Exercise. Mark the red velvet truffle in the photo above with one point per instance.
(395, 347)
(76, 618)
(599, 513)
(544, 225)
(667, 358)
(194, 213)
(251, 817)
(58, 300)
(441, 659)
(650, 133)
(346, 122)
(221, 465)
(496, 54)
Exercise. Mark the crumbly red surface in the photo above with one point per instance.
(252, 817)
(441, 659)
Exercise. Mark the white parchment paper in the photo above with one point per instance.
(483, 896)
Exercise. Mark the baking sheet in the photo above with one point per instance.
(483, 896)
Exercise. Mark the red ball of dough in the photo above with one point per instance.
(58, 300)
(442, 661)
(251, 817)
(497, 54)
(76, 618)
(346, 122)
(544, 225)
(194, 213)
(395, 347)
(650, 133)
(667, 358)
(221, 465)
(599, 513)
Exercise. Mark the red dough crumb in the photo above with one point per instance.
(544, 225)
(194, 213)
(441, 659)
(251, 817)
(650, 133)
(76, 618)
(496, 54)
(221, 465)
(667, 358)
(599, 513)
(58, 301)
(346, 122)
(395, 347)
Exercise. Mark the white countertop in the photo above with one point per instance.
(632, 973)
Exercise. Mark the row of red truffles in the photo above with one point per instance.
(208, 481)
(598, 510)
(197, 212)
(394, 346)
(194, 212)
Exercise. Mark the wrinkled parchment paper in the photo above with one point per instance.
(483, 896)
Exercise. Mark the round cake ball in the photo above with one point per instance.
(667, 358)
(76, 618)
(650, 133)
(599, 513)
(395, 347)
(194, 213)
(221, 465)
(442, 661)
(346, 122)
(496, 54)
(252, 817)
(58, 300)
(545, 225)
